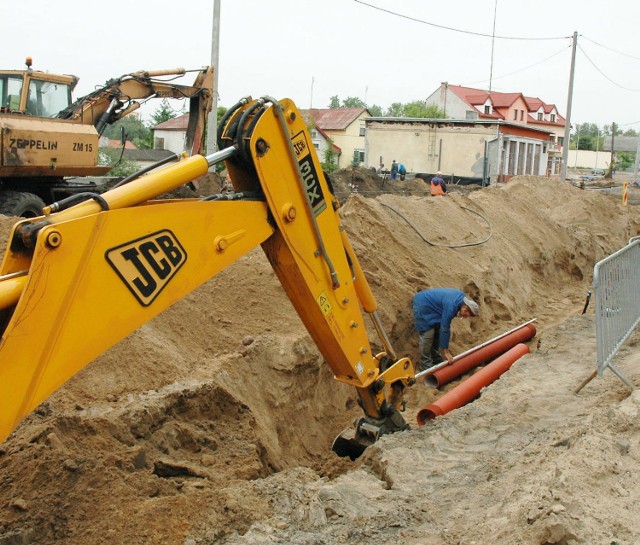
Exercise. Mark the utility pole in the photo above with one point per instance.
(493, 41)
(212, 120)
(613, 136)
(567, 128)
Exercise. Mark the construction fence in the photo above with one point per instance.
(616, 285)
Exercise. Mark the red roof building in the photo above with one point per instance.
(460, 102)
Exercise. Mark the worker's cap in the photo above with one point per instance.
(472, 305)
(439, 173)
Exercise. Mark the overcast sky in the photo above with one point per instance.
(311, 50)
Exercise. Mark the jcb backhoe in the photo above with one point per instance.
(96, 267)
(49, 145)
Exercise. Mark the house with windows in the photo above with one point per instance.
(459, 102)
(171, 135)
(326, 150)
(482, 151)
(344, 127)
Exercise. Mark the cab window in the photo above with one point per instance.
(10, 91)
(46, 99)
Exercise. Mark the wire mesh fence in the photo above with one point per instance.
(616, 283)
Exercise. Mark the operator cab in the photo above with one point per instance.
(35, 93)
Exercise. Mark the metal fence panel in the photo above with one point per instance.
(616, 286)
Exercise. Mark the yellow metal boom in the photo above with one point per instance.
(76, 281)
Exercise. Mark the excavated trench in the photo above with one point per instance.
(162, 435)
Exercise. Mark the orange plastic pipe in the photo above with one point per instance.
(470, 388)
(447, 373)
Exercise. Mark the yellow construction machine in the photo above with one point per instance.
(96, 267)
(49, 144)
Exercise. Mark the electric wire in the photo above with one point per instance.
(603, 74)
(438, 245)
(522, 69)
(610, 48)
(444, 27)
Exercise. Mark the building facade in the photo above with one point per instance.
(479, 151)
(459, 102)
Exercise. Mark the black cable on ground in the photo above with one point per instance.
(464, 245)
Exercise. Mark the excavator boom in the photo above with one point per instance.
(119, 97)
(125, 258)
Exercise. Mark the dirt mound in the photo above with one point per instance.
(213, 423)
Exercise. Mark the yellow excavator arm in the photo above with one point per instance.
(125, 258)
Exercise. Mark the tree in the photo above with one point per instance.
(375, 110)
(419, 108)
(335, 102)
(163, 113)
(353, 102)
(120, 168)
(329, 164)
(136, 131)
(395, 110)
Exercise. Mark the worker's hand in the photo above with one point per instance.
(447, 355)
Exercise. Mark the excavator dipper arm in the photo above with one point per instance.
(119, 97)
(124, 259)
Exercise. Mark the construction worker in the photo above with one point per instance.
(438, 185)
(433, 311)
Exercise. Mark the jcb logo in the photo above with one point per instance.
(146, 265)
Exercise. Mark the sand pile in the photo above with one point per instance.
(213, 423)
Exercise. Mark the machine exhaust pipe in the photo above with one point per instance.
(470, 388)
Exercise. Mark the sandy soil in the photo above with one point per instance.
(213, 423)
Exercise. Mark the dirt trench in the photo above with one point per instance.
(204, 423)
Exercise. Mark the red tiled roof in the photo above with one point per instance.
(474, 97)
(117, 144)
(335, 148)
(334, 119)
(179, 123)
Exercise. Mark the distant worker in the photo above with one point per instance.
(433, 311)
(402, 171)
(394, 170)
(438, 185)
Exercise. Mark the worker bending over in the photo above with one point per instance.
(438, 185)
(433, 311)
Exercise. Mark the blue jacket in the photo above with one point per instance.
(437, 306)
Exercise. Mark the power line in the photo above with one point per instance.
(416, 20)
(603, 74)
(525, 68)
(610, 48)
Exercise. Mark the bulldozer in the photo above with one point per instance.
(49, 143)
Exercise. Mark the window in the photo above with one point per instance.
(560, 140)
(358, 156)
(470, 114)
(10, 91)
(46, 99)
(521, 115)
(158, 143)
(540, 117)
(553, 118)
(362, 128)
(515, 115)
(314, 133)
(487, 109)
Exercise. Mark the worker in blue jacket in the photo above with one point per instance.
(433, 311)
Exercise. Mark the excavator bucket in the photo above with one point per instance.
(350, 444)
(367, 430)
